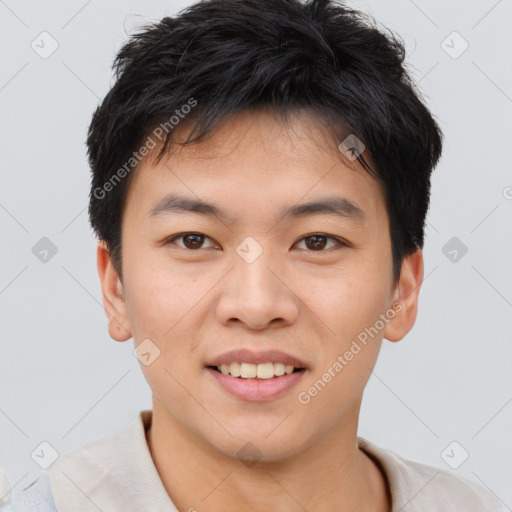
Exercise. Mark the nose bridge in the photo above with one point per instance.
(255, 294)
(256, 283)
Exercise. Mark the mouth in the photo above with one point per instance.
(256, 376)
(258, 381)
(261, 371)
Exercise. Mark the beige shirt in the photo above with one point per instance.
(117, 473)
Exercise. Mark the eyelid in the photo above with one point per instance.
(172, 239)
(339, 241)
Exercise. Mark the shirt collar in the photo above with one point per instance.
(118, 473)
(111, 474)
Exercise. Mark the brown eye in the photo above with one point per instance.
(318, 242)
(191, 241)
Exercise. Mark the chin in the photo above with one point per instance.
(251, 444)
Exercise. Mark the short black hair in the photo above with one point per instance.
(220, 57)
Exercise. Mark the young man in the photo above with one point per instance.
(261, 176)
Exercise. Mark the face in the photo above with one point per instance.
(254, 281)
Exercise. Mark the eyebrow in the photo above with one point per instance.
(332, 205)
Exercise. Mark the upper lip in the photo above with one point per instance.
(243, 355)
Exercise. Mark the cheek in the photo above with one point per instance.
(153, 303)
(350, 306)
(348, 302)
(159, 306)
(158, 294)
(347, 351)
(166, 306)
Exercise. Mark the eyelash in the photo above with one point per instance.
(339, 241)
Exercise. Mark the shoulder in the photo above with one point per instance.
(75, 472)
(86, 464)
(419, 487)
(36, 497)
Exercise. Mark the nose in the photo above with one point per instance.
(258, 295)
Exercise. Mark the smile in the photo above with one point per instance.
(256, 371)
(252, 387)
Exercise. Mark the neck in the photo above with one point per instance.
(330, 474)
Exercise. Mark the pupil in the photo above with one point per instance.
(196, 244)
(318, 242)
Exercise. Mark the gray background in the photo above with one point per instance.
(64, 381)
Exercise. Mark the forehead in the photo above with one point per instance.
(253, 162)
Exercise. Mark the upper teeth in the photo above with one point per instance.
(261, 371)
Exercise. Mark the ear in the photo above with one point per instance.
(114, 300)
(405, 299)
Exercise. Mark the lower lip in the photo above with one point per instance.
(257, 390)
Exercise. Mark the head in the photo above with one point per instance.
(220, 120)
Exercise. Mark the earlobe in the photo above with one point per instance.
(405, 299)
(114, 300)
